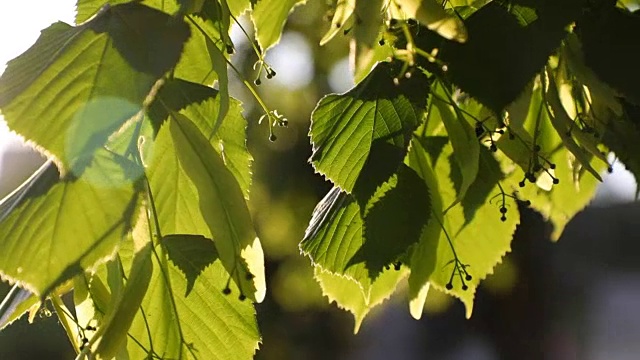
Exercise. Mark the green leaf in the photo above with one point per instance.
(197, 65)
(350, 296)
(15, 304)
(269, 17)
(77, 85)
(126, 304)
(432, 14)
(466, 147)
(501, 56)
(206, 324)
(366, 33)
(201, 104)
(394, 222)
(334, 235)
(344, 10)
(362, 135)
(563, 125)
(191, 254)
(479, 242)
(609, 36)
(60, 230)
(195, 193)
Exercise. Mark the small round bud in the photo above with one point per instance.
(610, 169)
(449, 286)
(381, 42)
(269, 76)
(229, 49)
(272, 137)
(468, 277)
(556, 181)
(464, 287)
(226, 291)
(521, 184)
(257, 81)
(527, 203)
(242, 297)
(503, 218)
(503, 210)
(493, 148)
(552, 166)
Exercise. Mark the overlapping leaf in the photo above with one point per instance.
(201, 104)
(77, 85)
(361, 136)
(474, 227)
(57, 231)
(350, 296)
(195, 193)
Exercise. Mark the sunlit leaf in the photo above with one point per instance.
(77, 85)
(201, 104)
(205, 324)
(344, 10)
(195, 193)
(57, 230)
(361, 136)
(349, 295)
(365, 50)
(269, 17)
(479, 242)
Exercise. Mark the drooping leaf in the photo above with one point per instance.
(344, 10)
(479, 242)
(126, 304)
(365, 49)
(563, 124)
(191, 254)
(206, 324)
(195, 193)
(466, 147)
(367, 129)
(350, 296)
(201, 104)
(57, 231)
(77, 85)
(269, 17)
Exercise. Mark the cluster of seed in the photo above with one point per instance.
(227, 289)
(502, 205)
(459, 269)
(535, 167)
(396, 266)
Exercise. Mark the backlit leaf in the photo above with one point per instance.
(269, 17)
(367, 129)
(57, 230)
(195, 193)
(77, 85)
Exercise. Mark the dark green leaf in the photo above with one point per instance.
(610, 42)
(191, 254)
(360, 137)
(394, 222)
